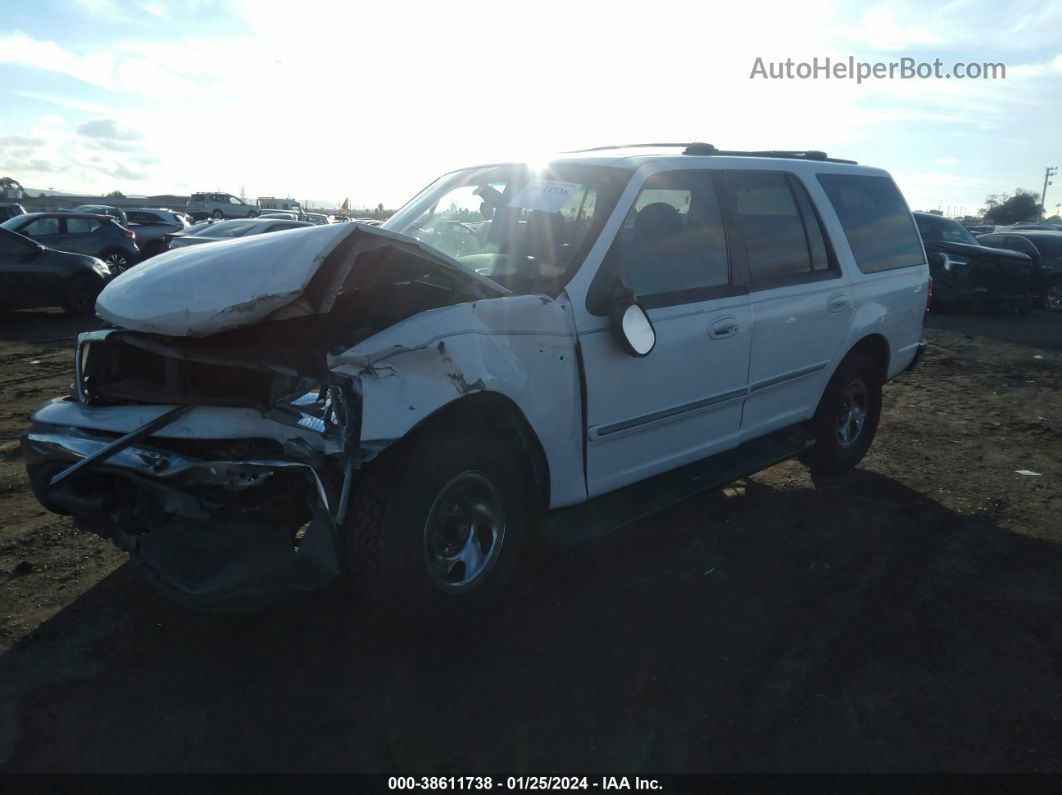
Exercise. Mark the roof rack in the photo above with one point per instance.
(703, 149)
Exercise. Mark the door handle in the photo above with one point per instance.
(721, 329)
(837, 303)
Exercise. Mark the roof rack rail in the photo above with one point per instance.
(703, 149)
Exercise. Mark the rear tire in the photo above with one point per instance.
(217, 214)
(847, 417)
(81, 292)
(117, 259)
(436, 528)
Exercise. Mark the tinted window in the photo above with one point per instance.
(935, 227)
(142, 218)
(673, 239)
(12, 245)
(41, 226)
(775, 237)
(876, 221)
(81, 226)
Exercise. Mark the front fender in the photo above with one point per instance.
(522, 347)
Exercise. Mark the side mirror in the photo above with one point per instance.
(631, 324)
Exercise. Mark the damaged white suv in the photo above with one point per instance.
(516, 352)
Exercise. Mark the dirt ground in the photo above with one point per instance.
(905, 619)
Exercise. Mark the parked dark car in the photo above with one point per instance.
(151, 226)
(117, 213)
(967, 274)
(1045, 251)
(32, 275)
(11, 210)
(98, 235)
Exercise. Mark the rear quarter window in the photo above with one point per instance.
(876, 221)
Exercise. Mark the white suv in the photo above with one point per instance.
(219, 205)
(516, 351)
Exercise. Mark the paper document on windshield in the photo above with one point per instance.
(546, 195)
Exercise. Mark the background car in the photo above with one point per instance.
(151, 225)
(11, 210)
(318, 219)
(117, 213)
(98, 235)
(1045, 251)
(226, 230)
(969, 274)
(32, 275)
(219, 205)
(291, 216)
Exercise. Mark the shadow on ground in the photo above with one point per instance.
(856, 627)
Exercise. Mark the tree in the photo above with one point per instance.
(114, 194)
(1001, 209)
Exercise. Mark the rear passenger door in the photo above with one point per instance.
(801, 305)
(44, 230)
(81, 235)
(682, 402)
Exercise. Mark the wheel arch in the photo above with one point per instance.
(498, 413)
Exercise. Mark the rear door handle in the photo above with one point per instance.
(721, 329)
(837, 303)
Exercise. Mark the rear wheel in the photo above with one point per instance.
(436, 527)
(847, 416)
(217, 214)
(81, 294)
(117, 259)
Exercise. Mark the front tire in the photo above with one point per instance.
(1053, 296)
(81, 292)
(847, 417)
(436, 527)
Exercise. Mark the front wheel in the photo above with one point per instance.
(81, 292)
(436, 526)
(847, 417)
(1053, 296)
(252, 214)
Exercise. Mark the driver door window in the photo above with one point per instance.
(672, 246)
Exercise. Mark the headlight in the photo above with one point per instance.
(102, 268)
(952, 261)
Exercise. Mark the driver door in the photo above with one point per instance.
(683, 401)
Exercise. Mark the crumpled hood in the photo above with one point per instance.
(207, 289)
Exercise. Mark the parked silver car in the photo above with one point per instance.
(227, 230)
(219, 205)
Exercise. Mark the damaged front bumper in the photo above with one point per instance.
(223, 524)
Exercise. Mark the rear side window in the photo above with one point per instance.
(876, 221)
(81, 226)
(783, 237)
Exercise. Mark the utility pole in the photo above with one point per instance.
(1049, 172)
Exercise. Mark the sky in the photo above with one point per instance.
(371, 101)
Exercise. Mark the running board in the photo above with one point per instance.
(617, 509)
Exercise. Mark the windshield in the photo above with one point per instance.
(525, 229)
(932, 227)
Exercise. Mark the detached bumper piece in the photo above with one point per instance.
(221, 533)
